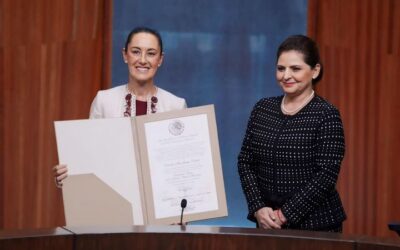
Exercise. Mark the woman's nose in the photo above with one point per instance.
(287, 74)
(143, 58)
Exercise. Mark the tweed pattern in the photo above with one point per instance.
(293, 162)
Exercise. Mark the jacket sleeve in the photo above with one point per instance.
(330, 153)
(248, 172)
(95, 108)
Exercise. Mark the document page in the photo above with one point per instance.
(181, 165)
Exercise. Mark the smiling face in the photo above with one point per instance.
(294, 75)
(143, 56)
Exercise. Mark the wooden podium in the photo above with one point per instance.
(185, 237)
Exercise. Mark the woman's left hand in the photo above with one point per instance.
(267, 218)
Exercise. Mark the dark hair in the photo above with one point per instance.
(144, 30)
(305, 46)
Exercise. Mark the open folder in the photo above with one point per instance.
(136, 171)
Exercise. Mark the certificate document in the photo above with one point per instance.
(180, 159)
(180, 164)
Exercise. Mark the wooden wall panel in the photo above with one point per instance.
(360, 43)
(54, 56)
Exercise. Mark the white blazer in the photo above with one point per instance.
(110, 103)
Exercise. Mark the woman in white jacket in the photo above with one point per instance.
(143, 54)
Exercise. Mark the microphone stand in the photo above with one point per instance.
(183, 205)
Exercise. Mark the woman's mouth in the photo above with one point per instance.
(142, 69)
(289, 83)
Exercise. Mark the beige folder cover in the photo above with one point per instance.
(105, 148)
(88, 201)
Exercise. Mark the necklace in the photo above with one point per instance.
(291, 112)
(130, 103)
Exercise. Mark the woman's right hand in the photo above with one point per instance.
(60, 172)
(267, 219)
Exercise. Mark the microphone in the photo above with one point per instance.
(183, 205)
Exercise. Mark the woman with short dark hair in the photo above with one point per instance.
(293, 148)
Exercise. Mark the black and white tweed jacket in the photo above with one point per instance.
(293, 162)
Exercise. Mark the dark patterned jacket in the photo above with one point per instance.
(293, 162)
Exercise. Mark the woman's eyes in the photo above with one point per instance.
(294, 69)
(138, 53)
(280, 69)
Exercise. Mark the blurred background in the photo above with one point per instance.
(56, 54)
